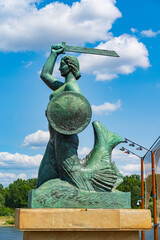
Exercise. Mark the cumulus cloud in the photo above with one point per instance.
(134, 30)
(133, 54)
(149, 33)
(22, 176)
(9, 175)
(37, 139)
(19, 161)
(120, 156)
(34, 175)
(128, 164)
(83, 151)
(106, 107)
(130, 169)
(24, 27)
(7, 178)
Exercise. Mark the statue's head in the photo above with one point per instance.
(70, 64)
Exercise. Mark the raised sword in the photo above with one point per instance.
(95, 51)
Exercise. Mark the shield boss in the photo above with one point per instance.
(69, 113)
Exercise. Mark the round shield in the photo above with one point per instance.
(69, 113)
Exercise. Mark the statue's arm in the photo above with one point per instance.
(46, 74)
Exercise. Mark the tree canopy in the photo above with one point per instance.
(132, 184)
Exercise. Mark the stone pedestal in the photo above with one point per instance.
(82, 224)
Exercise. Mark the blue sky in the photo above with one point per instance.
(124, 92)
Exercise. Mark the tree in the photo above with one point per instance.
(17, 194)
(132, 184)
(32, 183)
(1, 187)
(2, 190)
(2, 200)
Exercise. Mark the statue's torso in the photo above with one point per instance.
(69, 86)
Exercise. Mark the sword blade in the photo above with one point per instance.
(94, 51)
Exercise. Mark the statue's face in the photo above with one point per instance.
(64, 68)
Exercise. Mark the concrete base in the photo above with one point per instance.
(82, 224)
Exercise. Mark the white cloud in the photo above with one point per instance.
(149, 33)
(37, 139)
(22, 176)
(133, 54)
(24, 27)
(128, 164)
(7, 178)
(34, 175)
(28, 64)
(106, 107)
(120, 156)
(83, 151)
(130, 169)
(19, 161)
(8, 175)
(133, 30)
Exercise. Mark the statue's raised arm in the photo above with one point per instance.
(46, 74)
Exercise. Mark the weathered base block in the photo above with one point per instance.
(81, 235)
(82, 224)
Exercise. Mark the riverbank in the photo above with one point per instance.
(6, 221)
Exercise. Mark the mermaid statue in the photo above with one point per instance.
(61, 170)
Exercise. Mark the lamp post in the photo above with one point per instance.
(154, 188)
(133, 144)
(154, 198)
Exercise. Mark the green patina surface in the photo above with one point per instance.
(94, 51)
(64, 180)
(96, 172)
(60, 194)
(69, 112)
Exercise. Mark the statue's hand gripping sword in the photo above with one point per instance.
(94, 51)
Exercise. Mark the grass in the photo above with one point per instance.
(6, 220)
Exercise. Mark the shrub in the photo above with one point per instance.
(6, 211)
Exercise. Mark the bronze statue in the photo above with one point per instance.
(68, 113)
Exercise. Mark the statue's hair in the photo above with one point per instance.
(73, 64)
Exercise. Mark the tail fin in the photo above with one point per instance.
(103, 136)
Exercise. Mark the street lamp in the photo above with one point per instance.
(140, 147)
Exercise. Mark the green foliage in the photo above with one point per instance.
(132, 184)
(2, 200)
(16, 195)
(9, 222)
(32, 183)
(1, 187)
(2, 190)
(4, 211)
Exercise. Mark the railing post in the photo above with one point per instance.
(154, 199)
(142, 193)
